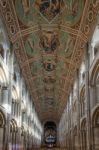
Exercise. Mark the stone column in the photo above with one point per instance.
(87, 95)
(14, 108)
(68, 125)
(0, 94)
(78, 112)
(7, 130)
(17, 110)
(7, 134)
(72, 117)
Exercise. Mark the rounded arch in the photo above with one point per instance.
(49, 120)
(75, 130)
(74, 106)
(2, 119)
(95, 117)
(50, 133)
(52, 123)
(14, 93)
(83, 124)
(94, 73)
(13, 134)
(2, 129)
(75, 137)
(94, 82)
(95, 128)
(22, 130)
(83, 134)
(82, 91)
(13, 126)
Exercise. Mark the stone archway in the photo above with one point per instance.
(94, 82)
(75, 138)
(13, 134)
(23, 138)
(95, 127)
(2, 130)
(83, 135)
(50, 134)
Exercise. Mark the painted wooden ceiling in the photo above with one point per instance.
(49, 38)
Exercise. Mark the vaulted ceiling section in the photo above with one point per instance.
(49, 37)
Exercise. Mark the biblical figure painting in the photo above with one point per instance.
(70, 10)
(49, 41)
(49, 8)
(26, 6)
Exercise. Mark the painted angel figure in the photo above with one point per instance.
(75, 7)
(25, 5)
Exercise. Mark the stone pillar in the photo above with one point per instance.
(17, 109)
(72, 118)
(1, 138)
(7, 128)
(68, 124)
(12, 108)
(78, 112)
(0, 94)
(93, 99)
(7, 134)
(87, 95)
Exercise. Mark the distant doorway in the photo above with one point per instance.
(50, 134)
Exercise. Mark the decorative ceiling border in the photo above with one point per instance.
(86, 27)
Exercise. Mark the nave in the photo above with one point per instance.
(49, 74)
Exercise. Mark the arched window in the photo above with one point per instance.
(97, 87)
(23, 138)
(83, 135)
(13, 134)
(94, 82)
(2, 130)
(75, 112)
(82, 102)
(75, 138)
